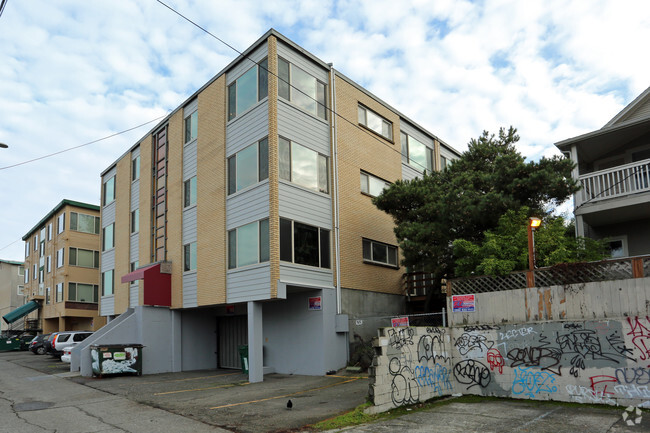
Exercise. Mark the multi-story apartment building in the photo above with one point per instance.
(245, 217)
(12, 293)
(62, 268)
(613, 168)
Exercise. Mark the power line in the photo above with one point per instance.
(82, 145)
(2, 6)
(330, 110)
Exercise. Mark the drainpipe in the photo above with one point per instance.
(335, 189)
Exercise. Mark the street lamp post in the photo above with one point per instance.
(533, 223)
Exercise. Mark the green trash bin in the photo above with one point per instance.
(243, 357)
(9, 344)
(116, 359)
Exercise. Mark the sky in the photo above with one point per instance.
(74, 72)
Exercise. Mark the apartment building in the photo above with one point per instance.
(613, 168)
(61, 276)
(12, 293)
(245, 218)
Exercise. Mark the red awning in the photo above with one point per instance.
(138, 274)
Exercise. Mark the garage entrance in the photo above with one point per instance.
(232, 332)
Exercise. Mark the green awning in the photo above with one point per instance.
(21, 311)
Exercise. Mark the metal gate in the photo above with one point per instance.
(232, 332)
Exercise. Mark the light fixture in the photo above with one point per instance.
(533, 223)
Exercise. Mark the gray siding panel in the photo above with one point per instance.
(247, 206)
(302, 62)
(189, 160)
(296, 274)
(134, 247)
(107, 306)
(134, 297)
(249, 284)
(299, 204)
(247, 128)
(417, 134)
(409, 172)
(135, 195)
(246, 64)
(189, 290)
(108, 215)
(302, 128)
(108, 261)
(189, 225)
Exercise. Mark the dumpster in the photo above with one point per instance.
(9, 343)
(116, 359)
(243, 357)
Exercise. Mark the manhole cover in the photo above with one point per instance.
(32, 405)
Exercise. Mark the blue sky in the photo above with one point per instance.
(76, 71)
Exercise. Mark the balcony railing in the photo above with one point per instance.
(615, 182)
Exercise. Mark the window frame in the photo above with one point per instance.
(135, 221)
(406, 153)
(49, 232)
(110, 272)
(96, 222)
(27, 249)
(48, 264)
(135, 168)
(232, 96)
(364, 122)
(60, 223)
(112, 244)
(323, 250)
(319, 158)
(94, 288)
(189, 192)
(262, 244)
(59, 292)
(372, 261)
(191, 249)
(232, 164)
(76, 257)
(370, 177)
(193, 120)
(60, 258)
(108, 199)
(287, 87)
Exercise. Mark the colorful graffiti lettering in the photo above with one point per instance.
(467, 343)
(471, 372)
(431, 348)
(640, 336)
(495, 360)
(582, 394)
(600, 380)
(436, 377)
(404, 388)
(531, 382)
(633, 375)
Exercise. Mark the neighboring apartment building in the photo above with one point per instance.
(62, 268)
(613, 167)
(12, 294)
(245, 217)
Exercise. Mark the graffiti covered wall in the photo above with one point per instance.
(600, 361)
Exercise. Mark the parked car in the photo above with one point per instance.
(65, 339)
(47, 342)
(67, 353)
(36, 345)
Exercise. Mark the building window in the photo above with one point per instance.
(34, 271)
(48, 294)
(303, 166)
(26, 276)
(135, 221)
(617, 246)
(59, 258)
(21, 271)
(35, 242)
(189, 257)
(108, 237)
(49, 232)
(379, 253)
(41, 275)
(248, 166)
(109, 191)
(416, 154)
(59, 292)
(190, 192)
(84, 223)
(304, 244)
(375, 123)
(248, 89)
(191, 127)
(135, 168)
(48, 264)
(248, 244)
(372, 185)
(132, 267)
(107, 283)
(60, 223)
(21, 290)
(80, 292)
(302, 89)
(444, 162)
(27, 249)
(84, 258)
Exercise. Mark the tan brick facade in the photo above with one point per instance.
(146, 180)
(122, 232)
(274, 174)
(174, 242)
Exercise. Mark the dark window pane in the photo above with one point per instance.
(263, 80)
(320, 96)
(264, 241)
(73, 220)
(305, 244)
(379, 253)
(392, 256)
(232, 249)
(264, 159)
(405, 147)
(283, 78)
(232, 101)
(232, 174)
(324, 248)
(367, 254)
(73, 256)
(285, 240)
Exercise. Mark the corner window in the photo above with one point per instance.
(35, 242)
(60, 223)
(49, 232)
(108, 237)
(379, 253)
(80, 292)
(84, 258)
(191, 127)
(59, 258)
(109, 191)
(248, 244)
(135, 221)
(248, 166)
(304, 244)
(302, 89)
(375, 123)
(107, 283)
(135, 168)
(84, 223)
(26, 276)
(189, 257)
(190, 192)
(372, 185)
(48, 264)
(48, 299)
(59, 292)
(303, 166)
(416, 154)
(27, 249)
(248, 89)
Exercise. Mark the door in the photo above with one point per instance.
(232, 332)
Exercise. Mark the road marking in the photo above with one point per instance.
(228, 385)
(287, 395)
(542, 416)
(180, 380)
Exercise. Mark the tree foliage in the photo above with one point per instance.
(505, 248)
(468, 198)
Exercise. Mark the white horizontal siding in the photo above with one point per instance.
(417, 134)
(247, 206)
(108, 215)
(447, 153)
(297, 274)
(189, 160)
(302, 128)
(302, 205)
(191, 107)
(134, 247)
(252, 283)
(409, 172)
(107, 306)
(302, 62)
(189, 225)
(245, 64)
(134, 294)
(108, 260)
(247, 128)
(135, 195)
(189, 290)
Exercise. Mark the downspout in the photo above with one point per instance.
(335, 189)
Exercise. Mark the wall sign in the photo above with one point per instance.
(315, 303)
(463, 303)
(399, 321)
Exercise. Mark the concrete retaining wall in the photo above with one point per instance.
(589, 361)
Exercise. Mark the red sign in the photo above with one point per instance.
(463, 303)
(399, 321)
(315, 303)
